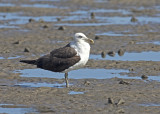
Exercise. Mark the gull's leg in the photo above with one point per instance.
(66, 79)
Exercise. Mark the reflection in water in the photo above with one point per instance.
(150, 104)
(151, 42)
(101, 1)
(46, 0)
(143, 56)
(19, 18)
(39, 5)
(86, 12)
(102, 21)
(6, 4)
(32, 84)
(32, 5)
(2, 58)
(75, 92)
(78, 74)
(75, 74)
(116, 34)
(15, 109)
(82, 24)
(8, 26)
(15, 57)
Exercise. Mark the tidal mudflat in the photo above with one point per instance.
(122, 75)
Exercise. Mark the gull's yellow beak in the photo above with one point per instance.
(90, 41)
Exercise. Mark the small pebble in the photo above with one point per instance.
(97, 37)
(117, 62)
(111, 53)
(92, 15)
(86, 83)
(121, 101)
(124, 82)
(45, 26)
(131, 69)
(58, 19)
(26, 50)
(131, 42)
(41, 20)
(144, 77)
(120, 52)
(31, 20)
(121, 111)
(110, 101)
(17, 42)
(6, 51)
(61, 28)
(44, 109)
(103, 54)
(133, 19)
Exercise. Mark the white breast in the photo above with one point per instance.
(83, 50)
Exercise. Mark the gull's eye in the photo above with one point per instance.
(79, 36)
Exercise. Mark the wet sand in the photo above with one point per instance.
(30, 29)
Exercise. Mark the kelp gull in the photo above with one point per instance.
(73, 56)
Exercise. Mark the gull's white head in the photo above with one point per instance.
(80, 37)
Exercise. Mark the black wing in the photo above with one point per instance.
(64, 52)
(59, 59)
